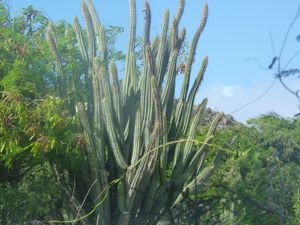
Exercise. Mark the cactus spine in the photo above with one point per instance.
(124, 121)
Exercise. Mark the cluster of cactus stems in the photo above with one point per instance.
(134, 125)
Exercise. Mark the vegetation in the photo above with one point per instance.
(258, 183)
(80, 145)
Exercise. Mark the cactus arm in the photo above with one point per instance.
(137, 142)
(192, 130)
(192, 94)
(180, 10)
(79, 36)
(112, 134)
(54, 48)
(91, 35)
(130, 48)
(147, 24)
(195, 161)
(116, 94)
(133, 74)
(192, 54)
(188, 66)
(196, 182)
(155, 46)
(96, 23)
(93, 12)
(160, 60)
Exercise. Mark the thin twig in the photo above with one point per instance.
(254, 59)
(74, 186)
(98, 219)
(291, 59)
(256, 99)
(288, 88)
(85, 197)
(280, 55)
(288, 31)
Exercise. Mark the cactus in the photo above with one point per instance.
(133, 126)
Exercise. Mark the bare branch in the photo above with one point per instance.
(288, 31)
(256, 60)
(85, 197)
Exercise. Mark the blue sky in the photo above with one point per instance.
(235, 31)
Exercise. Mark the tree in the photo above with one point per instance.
(285, 71)
(36, 130)
(259, 179)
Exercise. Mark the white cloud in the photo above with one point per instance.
(229, 98)
(228, 91)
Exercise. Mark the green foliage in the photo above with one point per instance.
(37, 126)
(133, 133)
(26, 63)
(37, 131)
(23, 52)
(111, 35)
(259, 180)
(30, 198)
(35, 135)
(296, 206)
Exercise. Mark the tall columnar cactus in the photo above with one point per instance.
(134, 126)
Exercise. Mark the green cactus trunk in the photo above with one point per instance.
(134, 127)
